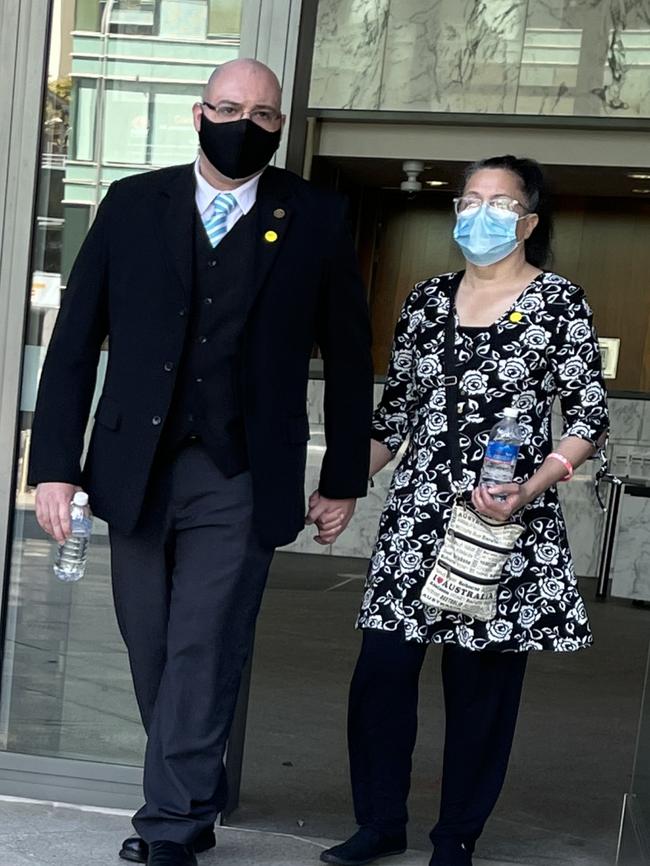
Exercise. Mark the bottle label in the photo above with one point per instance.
(503, 452)
(81, 526)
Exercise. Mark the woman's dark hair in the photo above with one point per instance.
(536, 191)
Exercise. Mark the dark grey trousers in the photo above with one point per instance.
(187, 586)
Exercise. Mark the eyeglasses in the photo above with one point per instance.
(225, 111)
(500, 203)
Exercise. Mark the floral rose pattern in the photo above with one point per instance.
(550, 350)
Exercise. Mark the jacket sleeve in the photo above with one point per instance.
(343, 335)
(70, 370)
(577, 370)
(393, 418)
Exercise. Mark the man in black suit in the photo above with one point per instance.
(212, 282)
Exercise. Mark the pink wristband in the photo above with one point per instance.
(566, 463)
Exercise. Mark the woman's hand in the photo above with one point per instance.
(484, 502)
(331, 516)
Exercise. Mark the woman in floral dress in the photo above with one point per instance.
(524, 336)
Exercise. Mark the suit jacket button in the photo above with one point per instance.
(168, 366)
(182, 312)
(213, 263)
(156, 420)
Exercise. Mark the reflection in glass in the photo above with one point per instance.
(122, 78)
(561, 57)
(126, 125)
(641, 780)
(83, 127)
(132, 16)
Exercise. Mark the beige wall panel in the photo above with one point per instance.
(551, 146)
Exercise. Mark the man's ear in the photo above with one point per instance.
(197, 112)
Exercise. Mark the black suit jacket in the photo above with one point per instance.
(132, 283)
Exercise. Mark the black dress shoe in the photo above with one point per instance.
(135, 850)
(365, 846)
(170, 854)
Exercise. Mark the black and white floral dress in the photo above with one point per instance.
(543, 346)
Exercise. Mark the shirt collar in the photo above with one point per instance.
(245, 194)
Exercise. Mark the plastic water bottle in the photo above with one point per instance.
(71, 556)
(502, 451)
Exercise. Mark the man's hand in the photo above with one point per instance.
(53, 500)
(331, 516)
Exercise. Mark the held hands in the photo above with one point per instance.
(484, 502)
(53, 508)
(331, 516)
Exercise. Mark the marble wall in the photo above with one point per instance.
(630, 570)
(629, 448)
(557, 57)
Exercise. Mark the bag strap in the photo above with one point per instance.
(450, 381)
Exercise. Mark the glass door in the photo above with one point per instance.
(122, 78)
(634, 847)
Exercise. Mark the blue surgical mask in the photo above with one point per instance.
(486, 235)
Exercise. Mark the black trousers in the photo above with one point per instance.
(187, 586)
(482, 691)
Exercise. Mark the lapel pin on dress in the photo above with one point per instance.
(516, 316)
(270, 237)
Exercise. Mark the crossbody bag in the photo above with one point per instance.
(468, 570)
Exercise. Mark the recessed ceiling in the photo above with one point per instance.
(564, 179)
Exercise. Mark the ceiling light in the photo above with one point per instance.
(436, 182)
(412, 169)
(639, 176)
(642, 191)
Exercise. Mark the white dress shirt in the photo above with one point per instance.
(246, 195)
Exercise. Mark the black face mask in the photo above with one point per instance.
(237, 148)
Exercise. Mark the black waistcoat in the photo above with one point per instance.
(207, 404)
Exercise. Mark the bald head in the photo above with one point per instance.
(244, 77)
(238, 90)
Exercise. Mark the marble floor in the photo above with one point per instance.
(70, 696)
(43, 834)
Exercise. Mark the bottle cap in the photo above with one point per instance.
(511, 412)
(80, 498)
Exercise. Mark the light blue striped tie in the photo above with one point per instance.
(216, 225)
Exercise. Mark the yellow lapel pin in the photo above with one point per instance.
(270, 237)
(516, 316)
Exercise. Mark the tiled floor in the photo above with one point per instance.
(71, 696)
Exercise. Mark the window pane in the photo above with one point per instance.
(77, 221)
(126, 126)
(172, 133)
(87, 14)
(132, 17)
(224, 17)
(85, 94)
